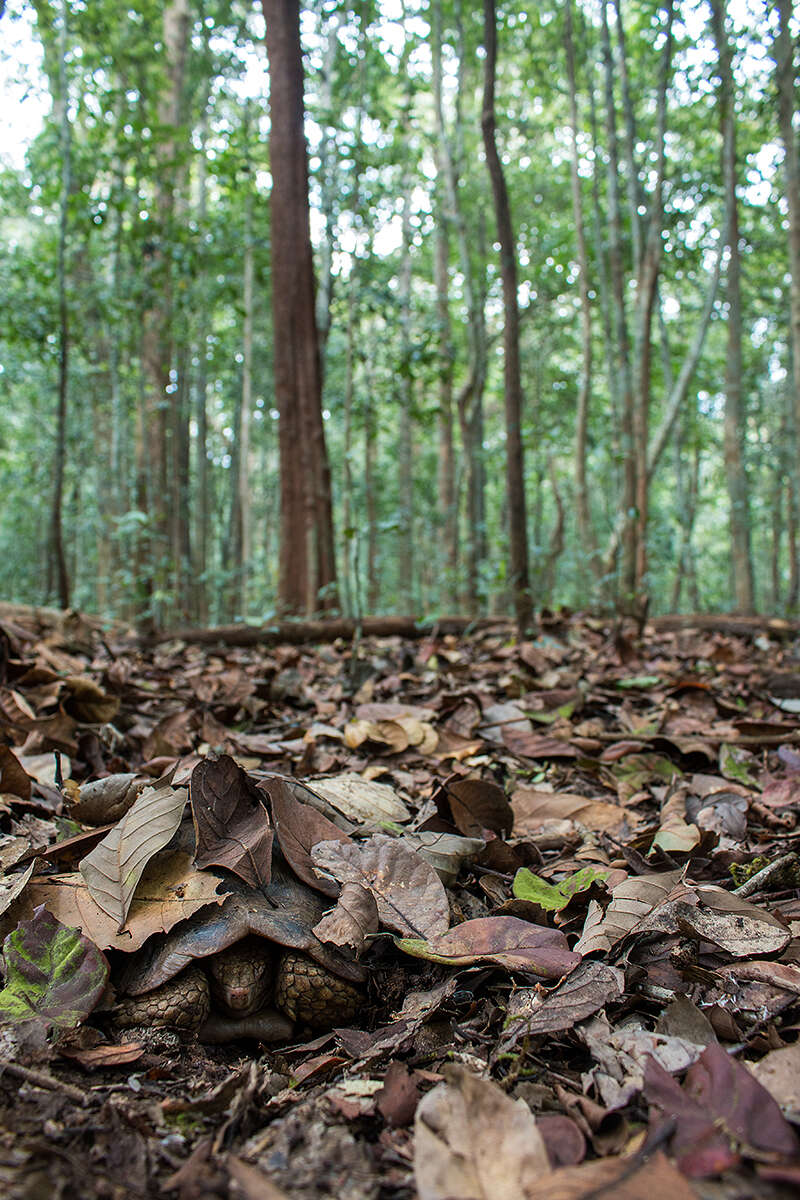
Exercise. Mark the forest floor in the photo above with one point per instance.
(576, 871)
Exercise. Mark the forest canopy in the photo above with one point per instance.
(647, 156)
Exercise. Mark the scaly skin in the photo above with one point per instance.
(242, 979)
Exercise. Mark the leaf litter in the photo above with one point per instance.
(568, 869)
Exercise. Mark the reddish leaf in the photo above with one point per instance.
(720, 1113)
(506, 941)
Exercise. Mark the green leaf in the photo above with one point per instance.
(639, 681)
(553, 897)
(52, 972)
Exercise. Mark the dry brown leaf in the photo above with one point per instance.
(362, 800)
(170, 890)
(534, 808)
(533, 1010)
(632, 900)
(474, 1142)
(675, 834)
(410, 896)
(299, 827)
(113, 869)
(352, 920)
(230, 821)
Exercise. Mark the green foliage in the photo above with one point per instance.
(373, 140)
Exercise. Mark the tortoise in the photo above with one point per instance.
(258, 946)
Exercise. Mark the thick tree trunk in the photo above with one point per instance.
(307, 566)
(741, 560)
(515, 472)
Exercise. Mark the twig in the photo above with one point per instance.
(42, 1079)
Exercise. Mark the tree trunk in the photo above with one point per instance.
(446, 488)
(155, 482)
(57, 558)
(621, 340)
(584, 520)
(405, 389)
(785, 75)
(515, 472)
(307, 566)
(741, 561)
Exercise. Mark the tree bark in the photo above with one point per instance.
(307, 566)
(741, 560)
(785, 76)
(57, 558)
(515, 472)
(584, 519)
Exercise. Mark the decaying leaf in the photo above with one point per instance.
(474, 1142)
(12, 885)
(720, 1113)
(299, 828)
(631, 901)
(675, 834)
(586, 990)
(446, 852)
(352, 920)
(410, 896)
(170, 890)
(114, 868)
(363, 800)
(533, 809)
(52, 973)
(231, 823)
(478, 804)
(14, 778)
(104, 800)
(507, 942)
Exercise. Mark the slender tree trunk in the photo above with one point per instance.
(307, 564)
(446, 486)
(646, 291)
(405, 387)
(583, 514)
(471, 262)
(621, 339)
(57, 562)
(785, 73)
(157, 331)
(741, 560)
(201, 496)
(243, 481)
(515, 469)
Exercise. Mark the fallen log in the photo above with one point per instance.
(328, 630)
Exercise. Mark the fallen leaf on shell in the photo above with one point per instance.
(299, 827)
(474, 1142)
(230, 821)
(352, 920)
(113, 869)
(409, 894)
(170, 890)
(104, 800)
(505, 941)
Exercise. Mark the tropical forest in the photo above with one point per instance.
(400, 600)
